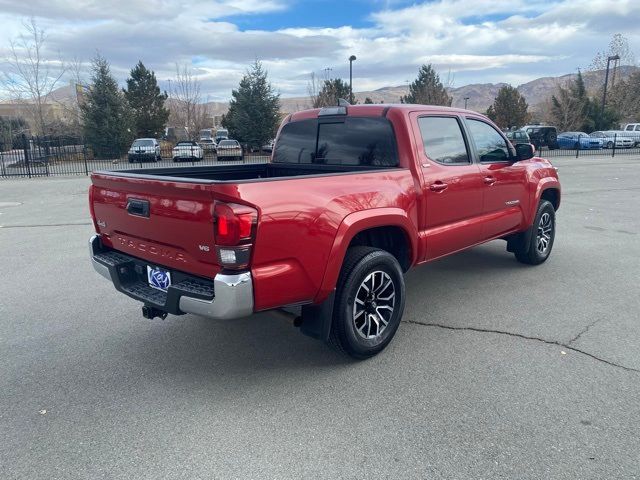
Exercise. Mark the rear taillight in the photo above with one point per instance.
(235, 229)
(92, 209)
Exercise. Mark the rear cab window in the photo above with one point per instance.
(346, 141)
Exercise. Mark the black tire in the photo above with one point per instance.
(360, 265)
(531, 252)
(609, 145)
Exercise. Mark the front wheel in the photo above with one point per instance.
(609, 145)
(538, 249)
(369, 302)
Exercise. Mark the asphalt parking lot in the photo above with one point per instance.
(499, 370)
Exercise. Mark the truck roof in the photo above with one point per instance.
(377, 110)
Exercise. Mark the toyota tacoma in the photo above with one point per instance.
(353, 197)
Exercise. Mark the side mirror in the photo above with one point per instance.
(524, 151)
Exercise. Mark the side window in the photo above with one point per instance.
(489, 143)
(637, 128)
(443, 140)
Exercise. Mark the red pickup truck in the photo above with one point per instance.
(353, 197)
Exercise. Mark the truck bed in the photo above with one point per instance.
(241, 173)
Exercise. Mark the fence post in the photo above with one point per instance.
(25, 151)
(613, 150)
(578, 147)
(84, 158)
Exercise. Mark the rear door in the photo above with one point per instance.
(167, 223)
(451, 185)
(504, 182)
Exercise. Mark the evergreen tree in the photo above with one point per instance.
(368, 101)
(149, 114)
(105, 113)
(571, 107)
(254, 110)
(427, 89)
(509, 108)
(332, 90)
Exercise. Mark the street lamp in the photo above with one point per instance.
(351, 60)
(606, 80)
(465, 102)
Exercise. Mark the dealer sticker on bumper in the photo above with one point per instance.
(159, 279)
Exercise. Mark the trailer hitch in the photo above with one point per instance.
(152, 312)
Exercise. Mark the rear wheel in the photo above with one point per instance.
(369, 302)
(538, 249)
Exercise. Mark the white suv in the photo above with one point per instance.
(632, 130)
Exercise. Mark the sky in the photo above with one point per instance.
(468, 41)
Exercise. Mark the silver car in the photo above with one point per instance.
(229, 150)
(609, 137)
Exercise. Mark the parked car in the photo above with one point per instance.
(229, 150)
(144, 150)
(221, 134)
(268, 147)
(578, 141)
(187, 150)
(609, 138)
(518, 136)
(346, 206)
(632, 130)
(542, 135)
(207, 145)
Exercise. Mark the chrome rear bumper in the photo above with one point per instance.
(233, 293)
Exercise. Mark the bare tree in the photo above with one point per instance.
(186, 107)
(31, 77)
(618, 46)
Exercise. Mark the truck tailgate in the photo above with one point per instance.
(166, 223)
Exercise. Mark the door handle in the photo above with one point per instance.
(438, 186)
(489, 180)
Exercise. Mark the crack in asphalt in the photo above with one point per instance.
(527, 337)
(46, 225)
(584, 330)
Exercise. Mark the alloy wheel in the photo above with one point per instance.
(374, 305)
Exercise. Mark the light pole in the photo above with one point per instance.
(606, 80)
(351, 60)
(465, 102)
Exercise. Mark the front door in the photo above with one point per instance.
(504, 181)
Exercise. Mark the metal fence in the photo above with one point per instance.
(44, 157)
(585, 145)
(47, 156)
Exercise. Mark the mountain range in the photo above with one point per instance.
(480, 95)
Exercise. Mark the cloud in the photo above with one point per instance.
(477, 41)
(137, 11)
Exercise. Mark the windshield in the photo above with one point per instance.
(184, 144)
(143, 143)
(228, 143)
